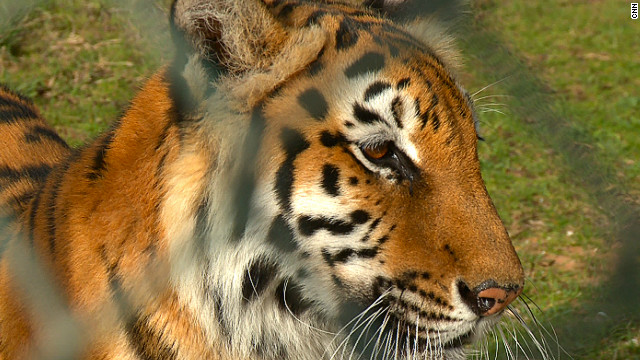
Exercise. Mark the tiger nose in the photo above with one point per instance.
(488, 298)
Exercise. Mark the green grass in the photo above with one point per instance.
(82, 61)
(556, 204)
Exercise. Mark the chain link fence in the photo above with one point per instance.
(530, 101)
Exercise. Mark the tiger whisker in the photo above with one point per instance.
(490, 85)
(371, 318)
(543, 330)
(415, 342)
(380, 332)
(491, 96)
(284, 290)
(515, 335)
(491, 104)
(505, 343)
(356, 324)
(492, 110)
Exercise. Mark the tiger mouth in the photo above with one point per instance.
(462, 340)
(430, 338)
(428, 341)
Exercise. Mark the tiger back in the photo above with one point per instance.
(31, 148)
(301, 182)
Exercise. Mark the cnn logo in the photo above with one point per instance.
(634, 11)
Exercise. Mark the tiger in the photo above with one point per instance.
(300, 182)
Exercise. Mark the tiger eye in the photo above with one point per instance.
(377, 151)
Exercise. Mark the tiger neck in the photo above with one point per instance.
(251, 297)
(250, 288)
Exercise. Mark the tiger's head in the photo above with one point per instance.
(366, 189)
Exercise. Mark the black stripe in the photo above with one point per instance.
(286, 10)
(375, 224)
(329, 140)
(4, 101)
(314, 102)
(218, 310)
(32, 216)
(51, 209)
(16, 114)
(393, 50)
(201, 240)
(281, 235)
(294, 144)
(315, 17)
(346, 254)
(369, 62)
(99, 159)
(261, 272)
(330, 177)
(396, 109)
(37, 173)
(372, 227)
(22, 102)
(429, 114)
(290, 297)
(360, 217)
(375, 4)
(347, 35)
(37, 133)
(403, 83)
(376, 89)
(9, 102)
(310, 225)
(326, 255)
(435, 121)
(365, 116)
(23, 200)
(146, 342)
(380, 285)
(160, 167)
(383, 239)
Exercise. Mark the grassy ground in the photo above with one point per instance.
(560, 219)
(83, 60)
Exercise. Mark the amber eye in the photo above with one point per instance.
(377, 151)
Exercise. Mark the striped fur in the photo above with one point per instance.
(297, 165)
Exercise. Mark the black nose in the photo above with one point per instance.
(488, 298)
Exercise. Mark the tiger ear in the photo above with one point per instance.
(240, 38)
(236, 35)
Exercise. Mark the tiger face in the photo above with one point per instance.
(369, 188)
(379, 182)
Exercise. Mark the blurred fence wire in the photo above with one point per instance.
(530, 100)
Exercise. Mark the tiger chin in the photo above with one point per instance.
(301, 182)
